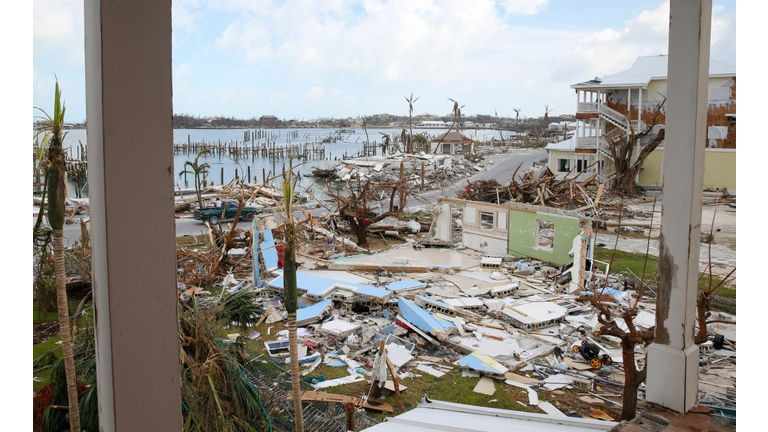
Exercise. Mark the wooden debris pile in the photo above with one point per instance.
(544, 189)
(226, 249)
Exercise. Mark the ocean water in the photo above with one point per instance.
(349, 144)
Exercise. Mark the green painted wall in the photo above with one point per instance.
(522, 235)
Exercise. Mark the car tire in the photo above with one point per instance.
(213, 220)
(248, 216)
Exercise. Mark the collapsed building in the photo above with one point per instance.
(497, 290)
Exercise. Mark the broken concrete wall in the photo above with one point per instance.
(485, 227)
(542, 232)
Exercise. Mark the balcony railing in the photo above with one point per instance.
(587, 107)
(587, 142)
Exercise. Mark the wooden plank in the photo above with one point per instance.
(315, 396)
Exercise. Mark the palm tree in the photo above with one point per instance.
(197, 170)
(456, 115)
(386, 141)
(290, 290)
(517, 114)
(57, 193)
(410, 101)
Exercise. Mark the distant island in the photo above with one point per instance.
(185, 121)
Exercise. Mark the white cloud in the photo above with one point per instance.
(57, 33)
(524, 7)
(612, 50)
(185, 16)
(391, 41)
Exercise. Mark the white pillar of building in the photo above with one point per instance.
(673, 358)
(130, 173)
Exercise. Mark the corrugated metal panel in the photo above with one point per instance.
(446, 416)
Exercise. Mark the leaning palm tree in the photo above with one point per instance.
(410, 101)
(290, 290)
(57, 193)
(197, 169)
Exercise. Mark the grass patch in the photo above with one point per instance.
(40, 350)
(635, 262)
(42, 316)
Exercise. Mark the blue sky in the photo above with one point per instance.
(306, 59)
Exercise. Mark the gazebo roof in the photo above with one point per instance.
(452, 137)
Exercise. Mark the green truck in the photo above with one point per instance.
(228, 210)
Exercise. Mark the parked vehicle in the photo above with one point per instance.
(228, 210)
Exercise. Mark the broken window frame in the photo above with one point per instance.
(484, 223)
(542, 233)
(563, 164)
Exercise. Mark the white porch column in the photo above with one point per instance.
(130, 172)
(673, 358)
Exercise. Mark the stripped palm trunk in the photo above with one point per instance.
(291, 295)
(56, 197)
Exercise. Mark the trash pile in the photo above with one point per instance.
(391, 318)
(427, 171)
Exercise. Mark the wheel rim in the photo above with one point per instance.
(595, 363)
(575, 349)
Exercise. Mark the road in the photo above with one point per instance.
(501, 169)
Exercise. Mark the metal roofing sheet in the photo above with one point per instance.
(646, 68)
(447, 416)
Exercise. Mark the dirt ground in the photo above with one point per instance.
(723, 246)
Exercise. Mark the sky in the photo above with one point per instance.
(307, 59)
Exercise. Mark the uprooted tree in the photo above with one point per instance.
(358, 203)
(644, 139)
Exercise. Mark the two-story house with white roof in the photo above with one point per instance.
(613, 104)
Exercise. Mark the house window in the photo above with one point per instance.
(486, 220)
(581, 164)
(446, 148)
(563, 165)
(545, 234)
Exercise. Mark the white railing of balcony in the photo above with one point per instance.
(589, 141)
(587, 107)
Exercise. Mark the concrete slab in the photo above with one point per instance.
(423, 257)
